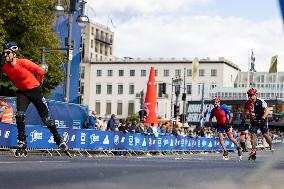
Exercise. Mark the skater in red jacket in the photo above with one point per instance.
(22, 73)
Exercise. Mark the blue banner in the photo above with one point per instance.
(40, 137)
(64, 114)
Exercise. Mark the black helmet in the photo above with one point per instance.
(12, 46)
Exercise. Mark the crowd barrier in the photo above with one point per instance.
(40, 137)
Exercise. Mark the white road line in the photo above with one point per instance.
(15, 162)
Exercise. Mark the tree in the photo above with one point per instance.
(29, 23)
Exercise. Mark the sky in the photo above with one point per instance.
(194, 28)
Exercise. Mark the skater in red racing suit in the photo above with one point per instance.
(22, 73)
(224, 119)
(257, 110)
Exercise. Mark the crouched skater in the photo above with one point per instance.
(22, 73)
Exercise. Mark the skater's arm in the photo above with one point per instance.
(34, 68)
(266, 112)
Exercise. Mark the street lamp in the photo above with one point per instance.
(82, 20)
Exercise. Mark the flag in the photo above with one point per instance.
(273, 65)
(195, 68)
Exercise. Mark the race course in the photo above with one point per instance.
(140, 172)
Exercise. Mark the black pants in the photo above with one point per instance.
(24, 98)
(35, 95)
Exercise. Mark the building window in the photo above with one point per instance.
(201, 73)
(261, 78)
(160, 90)
(99, 73)
(166, 73)
(120, 89)
(213, 72)
(109, 89)
(200, 86)
(82, 87)
(131, 108)
(189, 72)
(120, 73)
(92, 31)
(119, 108)
(109, 73)
(177, 73)
(108, 108)
(92, 43)
(110, 51)
(98, 89)
(156, 73)
(213, 85)
(82, 72)
(143, 73)
(131, 89)
(189, 89)
(132, 73)
(98, 107)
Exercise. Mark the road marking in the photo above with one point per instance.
(14, 162)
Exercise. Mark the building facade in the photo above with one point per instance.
(119, 86)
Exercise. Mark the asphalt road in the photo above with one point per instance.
(165, 172)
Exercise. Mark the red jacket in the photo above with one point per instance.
(23, 74)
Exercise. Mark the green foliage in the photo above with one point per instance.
(133, 117)
(29, 24)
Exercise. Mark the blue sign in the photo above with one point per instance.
(41, 137)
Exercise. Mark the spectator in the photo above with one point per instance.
(92, 120)
(122, 127)
(139, 128)
(111, 124)
(6, 115)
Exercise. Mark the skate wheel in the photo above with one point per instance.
(68, 154)
(20, 153)
(226, 158)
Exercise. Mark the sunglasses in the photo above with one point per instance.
(250, 95)
(6, 53)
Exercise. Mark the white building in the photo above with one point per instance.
(115, 86)
(269, 86)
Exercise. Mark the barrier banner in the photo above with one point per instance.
(119, 140)
(6, 134)
(64, 114)
(93, 139)
(166, 142)
(40, 137)
(68, 136)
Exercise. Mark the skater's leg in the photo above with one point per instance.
(243, 140)
(268, 140)
(253, 141)
(265, 132)
(40, 103)
(22, 105)
(231, 137)
(220, 135)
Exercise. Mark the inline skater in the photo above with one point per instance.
(258, 111)
(224, 119)
(22, 73)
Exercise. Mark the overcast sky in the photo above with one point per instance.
(194, 28)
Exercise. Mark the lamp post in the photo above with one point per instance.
(82, 20)
(177, 84)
